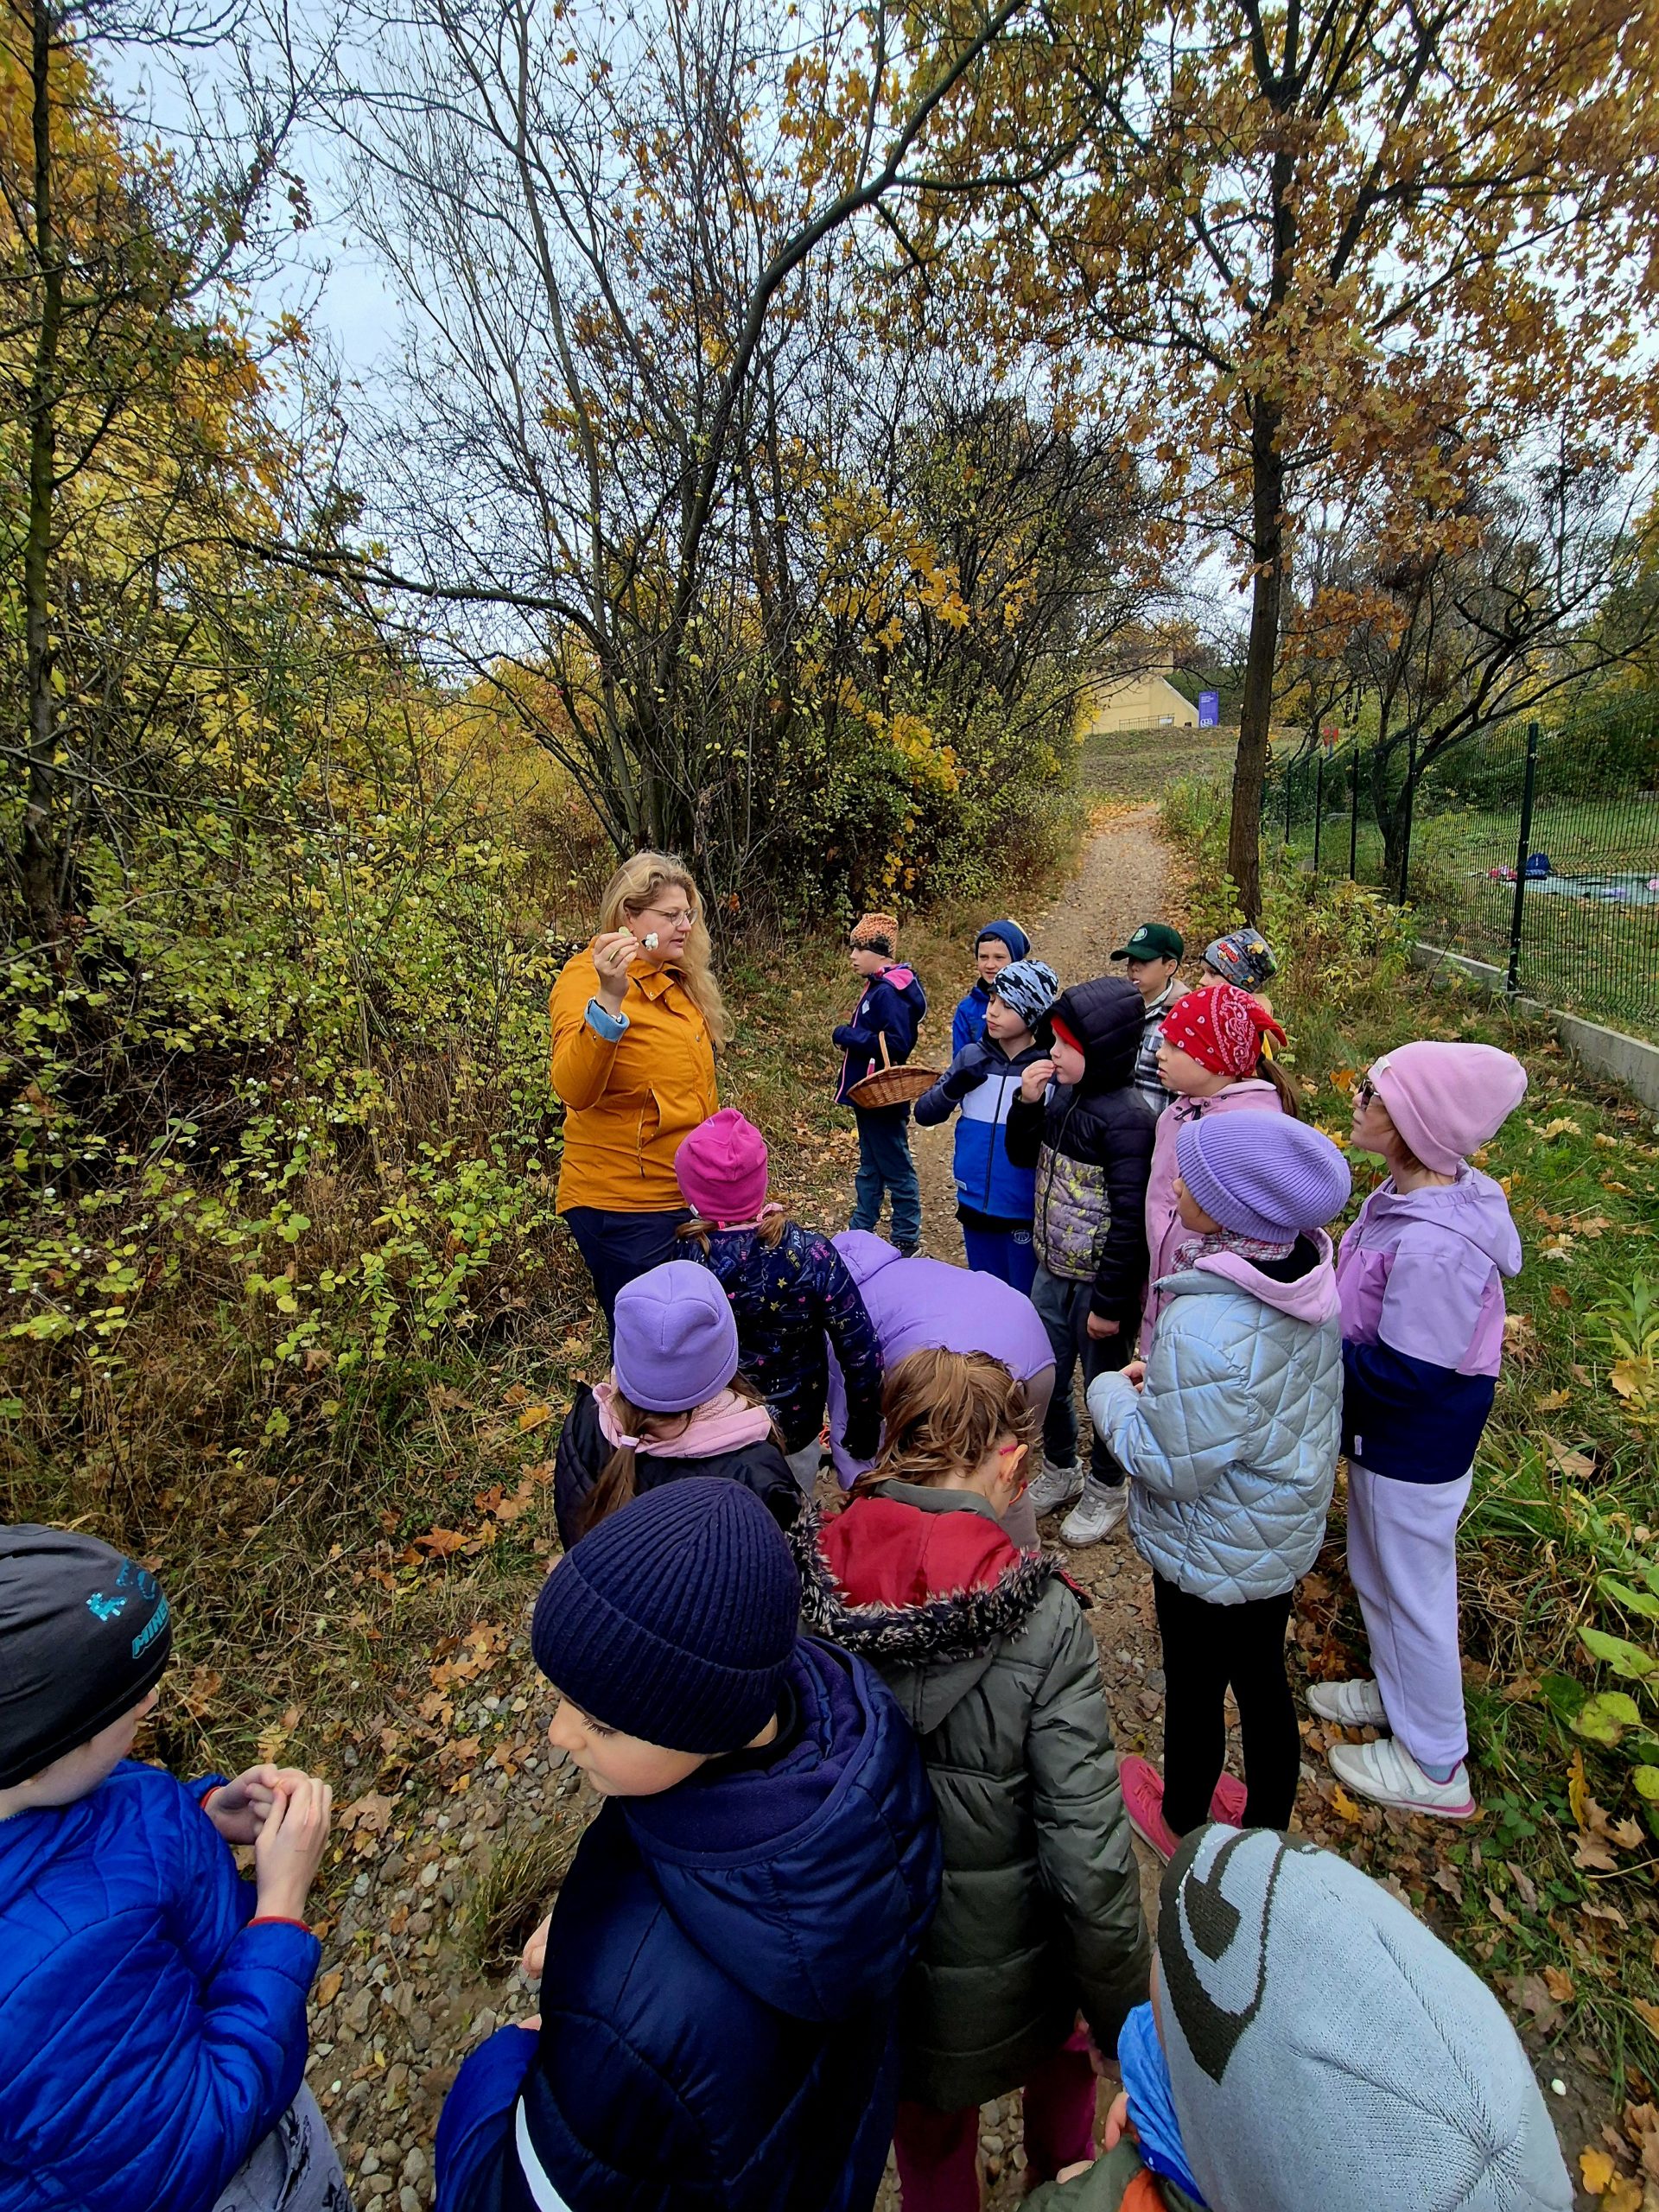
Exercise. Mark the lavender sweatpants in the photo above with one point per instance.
(1403, 1559)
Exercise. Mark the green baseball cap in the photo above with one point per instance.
(1153, 941)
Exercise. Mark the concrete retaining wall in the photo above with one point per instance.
(1628, 1060)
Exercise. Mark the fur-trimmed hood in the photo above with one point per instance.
(923, 1584)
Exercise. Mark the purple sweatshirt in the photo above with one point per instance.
(914, 1304)
(1421, 1277)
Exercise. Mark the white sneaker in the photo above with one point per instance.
(1386, 1771)
(1356, 1705)
(1055, 1487)
(1099, 1515)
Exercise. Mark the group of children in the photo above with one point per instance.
(863, 1857)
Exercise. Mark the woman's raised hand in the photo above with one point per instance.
(613, 954)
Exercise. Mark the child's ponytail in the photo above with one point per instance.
(768, 1234)
(1272, 1073)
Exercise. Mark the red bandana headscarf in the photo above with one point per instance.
(1221, 1028)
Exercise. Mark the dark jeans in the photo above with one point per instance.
(1062, 1307)
(1206, 1647)
(620, 1246)
(1007, 1253)
(885, 1164)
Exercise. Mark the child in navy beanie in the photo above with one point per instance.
(720, 1978)
(1230, 1433)
(152, 2003)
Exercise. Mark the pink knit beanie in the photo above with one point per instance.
(1446, 1100)
(722, 1167)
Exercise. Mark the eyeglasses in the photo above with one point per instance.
(674, 917)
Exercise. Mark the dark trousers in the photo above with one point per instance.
(1007, 1253)
(1207, 1648)
(620, 1246)
(885, 1165)
(1062, 1308)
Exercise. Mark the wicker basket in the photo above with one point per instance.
(891, 1086)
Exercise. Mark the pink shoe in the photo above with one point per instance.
(1143, 1801)
(1229, 1802)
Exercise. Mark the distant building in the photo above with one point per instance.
(1145, 700)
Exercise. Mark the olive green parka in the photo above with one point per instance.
(992, 1661)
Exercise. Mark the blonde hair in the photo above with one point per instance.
(632, 889)
(942, 1412)
(619, 1478)
(769, 1235)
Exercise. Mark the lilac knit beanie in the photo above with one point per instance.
(1446, 1100)
(1262, 1174)
(674, 1342)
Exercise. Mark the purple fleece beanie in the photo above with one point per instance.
(1446, 1100)
(1262, 1174)
(674, 1343)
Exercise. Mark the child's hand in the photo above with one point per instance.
(1098, 1328)
(1035, 1079)
(535, 1952)
(291, 1848)
(1118, 2123)
(238, 1809)
(1135, 1372)
(613, 953)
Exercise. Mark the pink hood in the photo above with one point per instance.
(1311, 1297)
(1163, 1231)
(725, 1423)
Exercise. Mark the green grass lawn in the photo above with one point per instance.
(1129, 765)
(1583, 954)
(1552, 1892)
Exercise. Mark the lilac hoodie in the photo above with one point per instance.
(917, 1303)
(1164, 1230)
(1421, 1277)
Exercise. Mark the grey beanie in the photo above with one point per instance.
(1325, 2049)
(1029, 987)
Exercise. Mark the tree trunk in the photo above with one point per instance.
(38, 859)
(1256, 712)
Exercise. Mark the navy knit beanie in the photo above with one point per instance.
(674, 1619)
(84, 1634)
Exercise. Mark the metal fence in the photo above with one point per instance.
(1534, 850)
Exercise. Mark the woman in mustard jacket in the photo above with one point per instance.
(636, 1018)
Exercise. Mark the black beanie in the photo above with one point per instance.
(83, 1634)
(675, 1618)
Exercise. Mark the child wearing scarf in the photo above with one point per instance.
(1229, 1434)
(1212, 1058)
(674, 1404)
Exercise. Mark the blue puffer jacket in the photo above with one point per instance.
(1232, 1445)
(891, 1004)
(786, 1297)
(984, 1082)
(149, 2037)
(721, 1983)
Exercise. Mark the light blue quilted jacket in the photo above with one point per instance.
(1232, 1445)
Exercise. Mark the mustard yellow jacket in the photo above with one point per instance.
(627, 1105)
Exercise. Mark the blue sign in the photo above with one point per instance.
(1209, 709)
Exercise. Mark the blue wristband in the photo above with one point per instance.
(607, 1025)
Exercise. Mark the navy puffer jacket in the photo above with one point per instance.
(149, 2038)
(1091, 1148)
(786, 1297)
(721, 1983)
